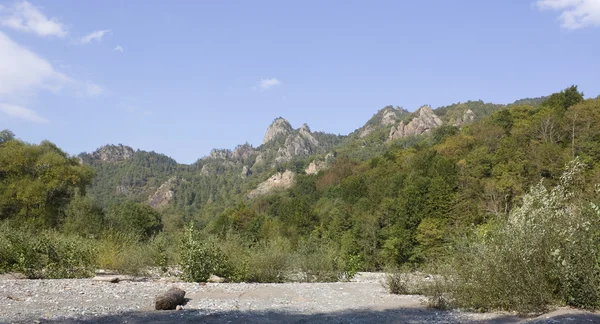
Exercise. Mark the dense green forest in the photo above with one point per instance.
(380, 203)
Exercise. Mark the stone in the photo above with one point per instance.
(424, 122)
(164, 194)
(111, 279)
(215, 279)
(279, 127)
(170, 299)
(280, 180)
(112, 153)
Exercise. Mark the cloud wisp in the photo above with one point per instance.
(24, 16)
(266, 84)
(24, 72)
(93, 36)
(575, 14)
(22, 113)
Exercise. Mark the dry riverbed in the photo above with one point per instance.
(363, 300)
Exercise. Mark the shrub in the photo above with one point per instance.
(396, 282)
(199, 259)
(48, 254)
(545, 252)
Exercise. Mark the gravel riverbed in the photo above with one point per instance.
(363, 300)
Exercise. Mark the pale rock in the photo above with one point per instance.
(424, 122)
(319, 165)
(280, 126)
(164, 194)
(112, 153)
(280, 180)
(245, 172)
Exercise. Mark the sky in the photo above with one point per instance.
(183, 77)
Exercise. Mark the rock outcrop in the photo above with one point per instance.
(245, 172)
(281, 180)
(279, 127)
(468, 116)
(319, 165)
(164, 194)
(300, 143)
(112, 153)
(384, 117)
(424, 122)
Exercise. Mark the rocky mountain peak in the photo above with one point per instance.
(386, 116)
(279, 126)
(424, 121)
(112, 153)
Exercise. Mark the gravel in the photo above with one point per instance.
(131, 300)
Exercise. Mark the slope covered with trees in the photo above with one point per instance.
(374, 201)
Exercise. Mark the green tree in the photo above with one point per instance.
(38, 181)
(135, 218)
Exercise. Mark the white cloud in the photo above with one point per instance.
(266, 84)
(119, 48)
(24, 16)
(575, 13)
(19, 112)
(24, 72)
(93, 90)
(93, 36)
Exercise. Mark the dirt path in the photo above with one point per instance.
(86, 300)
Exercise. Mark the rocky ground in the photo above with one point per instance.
(131, 301)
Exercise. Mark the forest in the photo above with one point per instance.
(508, 200)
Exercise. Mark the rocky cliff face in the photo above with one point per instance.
(163, 195)
(424, 122)
(112, 153)
(319, 165)
(280, 126)
(383, 118)
(281, 180)
(298, 143)
(468, 116)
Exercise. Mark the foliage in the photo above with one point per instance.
(45, 254)
(133, 218)
(38, 181)
(545, 251)
(200, 258)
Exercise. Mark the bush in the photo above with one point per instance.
(48, 254)
(199, 259)
(126, 254)
(545, 252)
(396, 283)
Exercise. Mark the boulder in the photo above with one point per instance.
(169, 300)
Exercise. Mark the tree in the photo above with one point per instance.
(134, 218)
(38, 181)
(6, 135)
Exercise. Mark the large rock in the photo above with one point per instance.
(169, 300)
(112, 153)
(164, 194)
(281, 180)
(319, 164)
(384, 117)
(279, 127)
(424, 122)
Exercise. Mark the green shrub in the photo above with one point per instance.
(48, 254)
(201, 258)
(545, 252)
(396, 282)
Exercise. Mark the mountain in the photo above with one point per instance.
(246, 172)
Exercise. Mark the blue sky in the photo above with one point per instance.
(183, 77)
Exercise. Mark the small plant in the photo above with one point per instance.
(396, 282)
(199, 259)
